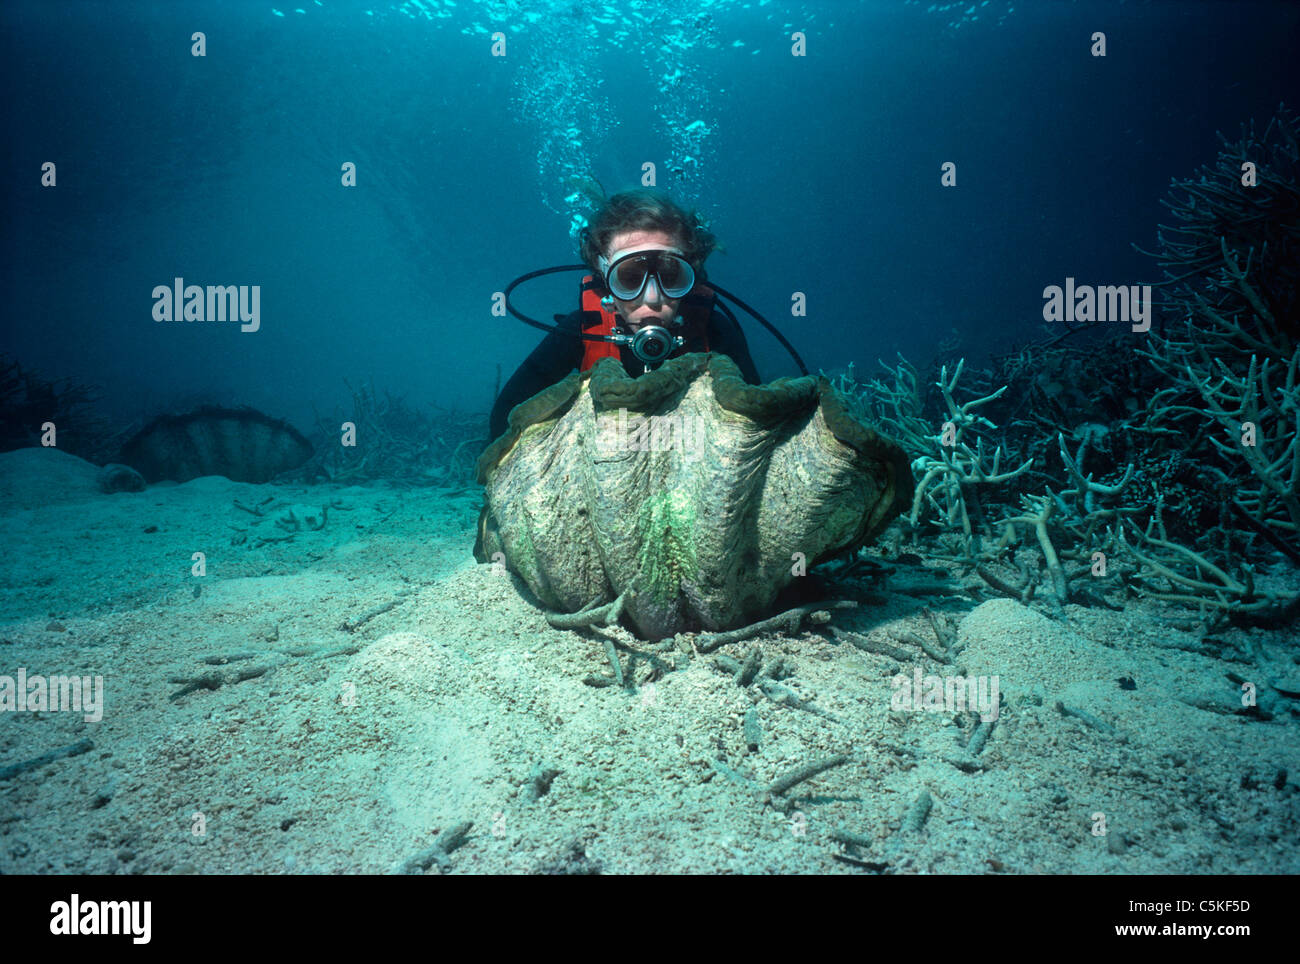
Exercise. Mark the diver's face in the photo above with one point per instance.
(651, 308)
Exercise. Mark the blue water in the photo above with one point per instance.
(820, 174)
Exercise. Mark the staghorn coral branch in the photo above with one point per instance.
(1233, 402)
(957, 466)
(1088, 488)
(1041, 508)
(1239, 275)
(1224, 592)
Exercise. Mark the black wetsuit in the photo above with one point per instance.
(560, 353)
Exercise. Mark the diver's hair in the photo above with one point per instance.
(646, 209)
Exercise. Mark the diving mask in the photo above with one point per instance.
(626, 273)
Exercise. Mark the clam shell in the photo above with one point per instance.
(242, 444)
(705, 489)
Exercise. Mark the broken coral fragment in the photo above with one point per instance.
(711, 490)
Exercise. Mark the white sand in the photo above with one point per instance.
(355, 763)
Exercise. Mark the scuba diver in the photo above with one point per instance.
(646, 300)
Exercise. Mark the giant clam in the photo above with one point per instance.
(711, 493)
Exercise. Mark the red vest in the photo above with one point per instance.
(696, 309)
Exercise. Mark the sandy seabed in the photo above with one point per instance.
(339, 699)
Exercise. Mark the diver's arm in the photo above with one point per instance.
(726, 337)
(559, 353)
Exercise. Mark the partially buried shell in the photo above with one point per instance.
(242, 444)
